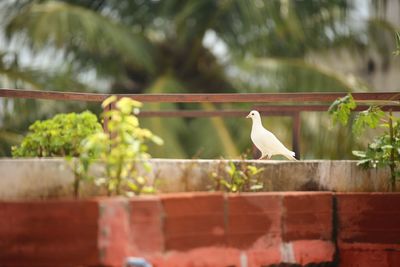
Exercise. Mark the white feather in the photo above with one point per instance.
(266, 141)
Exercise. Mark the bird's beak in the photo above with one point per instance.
(248, 116)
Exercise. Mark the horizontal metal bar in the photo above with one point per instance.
(207, 113)
(316, 108)
(273, 110)
(52, 95)
(200, 98)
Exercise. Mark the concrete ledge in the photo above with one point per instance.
(51, 178)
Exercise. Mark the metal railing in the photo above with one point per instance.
(279, 104)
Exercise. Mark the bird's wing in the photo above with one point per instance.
(269, 143)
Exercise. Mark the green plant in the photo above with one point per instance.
(119, 149)
(239, 177)
(397, 51)
(384, 150)
(61, 136)
(58, 136)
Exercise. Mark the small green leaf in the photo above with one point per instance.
(341, 108)
(360, 154)
(234, 188)
(397, 51)
(157, 140)
(365, 163)
(367, 118)
(132, 186)
(226, 184)
(140, 180)
(148, 190)
(256, 187)
(108, 101)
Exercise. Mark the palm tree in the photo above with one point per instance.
(158, 46)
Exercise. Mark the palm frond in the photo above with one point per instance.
(281, 28)
(73, 27)
(381, 35)
(291, 75)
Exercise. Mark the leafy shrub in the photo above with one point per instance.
(58, 136)
(119, 149)
(384, 150)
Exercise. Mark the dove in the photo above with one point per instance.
(266, 141)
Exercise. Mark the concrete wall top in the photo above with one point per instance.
(52, 177)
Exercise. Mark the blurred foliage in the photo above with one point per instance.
(397, 52)
(170, 46)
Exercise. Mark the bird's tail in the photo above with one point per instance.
(290, 156)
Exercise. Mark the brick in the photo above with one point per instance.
(114, 231)
(212, 224)
(38, 233)
(252, 219)
(368, 255)
(204, 257)
(145, 209)
(249, 203)
(263, 257)
(187, 242)
(193, 220)
(146, 223)
(354, 258)
(394, 258)
(313, 251)
(307, 216)
(369, 218)
(186, 204)
(64, 233)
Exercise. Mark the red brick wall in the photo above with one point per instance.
(205, 229)
(369, 229)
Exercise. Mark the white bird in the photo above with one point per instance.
(266, 141)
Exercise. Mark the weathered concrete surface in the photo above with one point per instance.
(34, 178)
(318, 175)
(47, 178)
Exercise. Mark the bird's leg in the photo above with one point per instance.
(261, 157)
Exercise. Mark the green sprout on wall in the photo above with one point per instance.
(239, 177)
(384, 149)
(119, 149)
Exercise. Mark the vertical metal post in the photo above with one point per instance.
(106, 119)
(296, 127)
